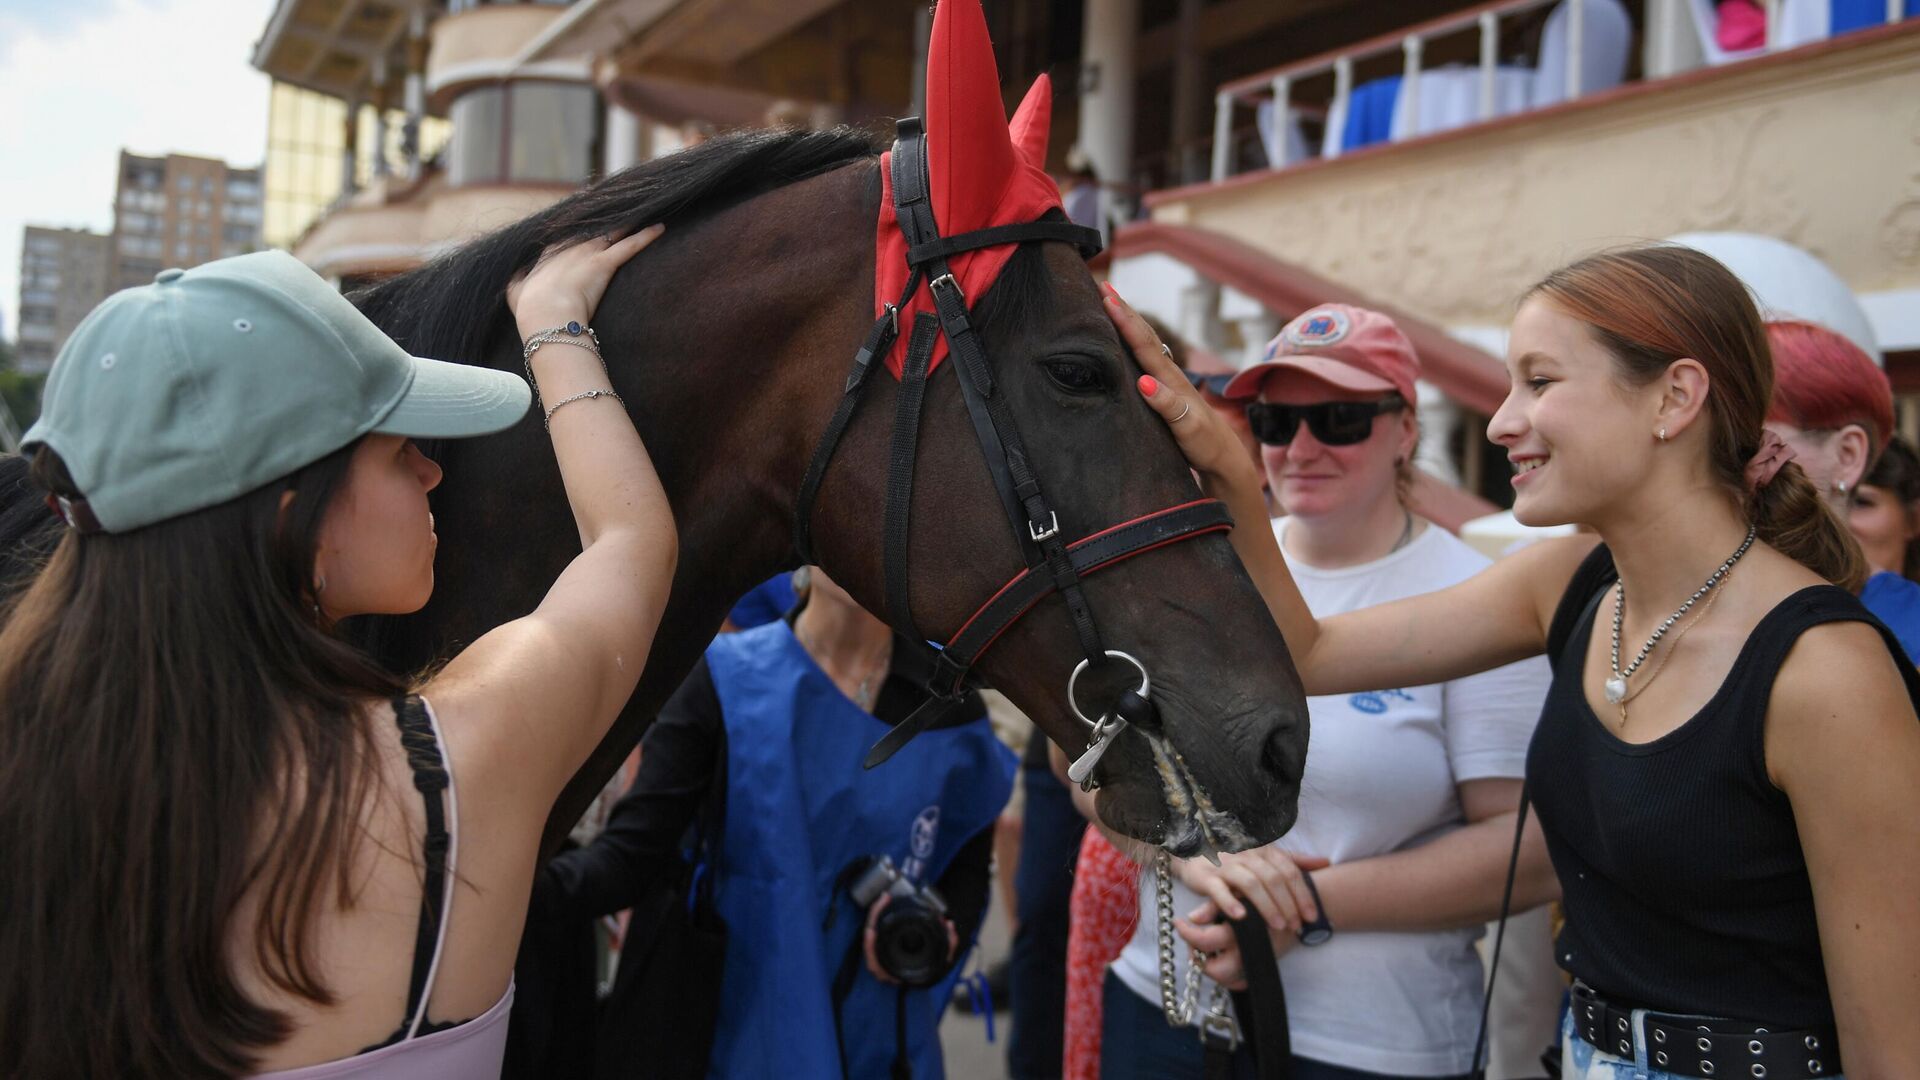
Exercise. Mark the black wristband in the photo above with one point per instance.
(1320, 930)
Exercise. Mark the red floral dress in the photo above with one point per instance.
(1105, 906)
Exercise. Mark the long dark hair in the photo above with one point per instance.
(1652, 305)
(178, 730)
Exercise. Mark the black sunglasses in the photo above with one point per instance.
(1335, 423)
(1212, 384)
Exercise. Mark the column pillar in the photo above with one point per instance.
(350, 148)
(623, 139)
(380, 163)
(1189, 97)
(1439, 432)
(922, 32)
(416, 90)
(1110, 30)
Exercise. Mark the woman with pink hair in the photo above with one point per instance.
(1833, 406)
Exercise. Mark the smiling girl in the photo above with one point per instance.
(1724, 766)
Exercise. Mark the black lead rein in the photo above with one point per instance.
(1052, 565)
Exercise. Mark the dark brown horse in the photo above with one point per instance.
(730, 341)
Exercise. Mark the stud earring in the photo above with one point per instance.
(1840, 487)
(1663, 434)
(319, 586)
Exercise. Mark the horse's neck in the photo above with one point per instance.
(744, 336)
(740, 333)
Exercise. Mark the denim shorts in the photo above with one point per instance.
(1580, 1060)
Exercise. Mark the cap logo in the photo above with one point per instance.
(1318, 329)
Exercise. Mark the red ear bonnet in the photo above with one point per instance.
(981, 171)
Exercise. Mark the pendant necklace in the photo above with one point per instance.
(1616, 685)
(1672, 647)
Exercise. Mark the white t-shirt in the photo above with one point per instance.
(1381, 776)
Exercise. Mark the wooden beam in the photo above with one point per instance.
(1225, 24)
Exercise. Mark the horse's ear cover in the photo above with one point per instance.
(982, 171)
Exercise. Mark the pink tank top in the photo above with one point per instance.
(467, 1051)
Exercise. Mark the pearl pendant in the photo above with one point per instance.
(1616, 690)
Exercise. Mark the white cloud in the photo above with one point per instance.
(151, 76)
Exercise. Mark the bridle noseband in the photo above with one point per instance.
(1052, 564)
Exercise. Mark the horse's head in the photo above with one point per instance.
(730, 342)
(1216, 763)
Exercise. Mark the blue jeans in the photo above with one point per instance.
(1136, 1043)
(1580, 1060)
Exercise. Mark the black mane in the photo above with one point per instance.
(450, 308)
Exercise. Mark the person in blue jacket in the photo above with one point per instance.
(792, 707)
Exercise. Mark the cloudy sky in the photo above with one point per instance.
(81, 79)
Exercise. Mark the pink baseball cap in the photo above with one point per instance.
(1343, 346)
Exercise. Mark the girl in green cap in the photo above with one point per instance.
(234, 842)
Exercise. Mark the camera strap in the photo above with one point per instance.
(850, 965)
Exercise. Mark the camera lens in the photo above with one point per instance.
(911, 943)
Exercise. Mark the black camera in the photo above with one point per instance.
(910, 938)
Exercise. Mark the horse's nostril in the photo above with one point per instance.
(1278, 753)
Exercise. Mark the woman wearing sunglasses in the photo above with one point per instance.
(1723, 770)
(1375, 898)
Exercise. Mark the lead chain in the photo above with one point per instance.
(1180, 1011)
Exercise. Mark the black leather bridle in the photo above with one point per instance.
(1053, 564)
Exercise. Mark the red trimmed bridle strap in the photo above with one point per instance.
(1096, 552)
(1027, 588)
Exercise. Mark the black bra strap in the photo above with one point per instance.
(430, 777)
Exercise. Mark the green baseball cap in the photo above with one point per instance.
(212, 382)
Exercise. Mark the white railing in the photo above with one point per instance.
(1277, 84)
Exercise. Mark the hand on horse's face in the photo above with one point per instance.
(1210, 445)
(374, 551)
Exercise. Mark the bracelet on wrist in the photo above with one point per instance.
(573, 333)
(1319, 931)
(588, 395)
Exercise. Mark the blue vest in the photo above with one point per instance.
(799, 809)
(1896, 601)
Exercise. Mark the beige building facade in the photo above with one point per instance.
(402, 129)
(1524, 133)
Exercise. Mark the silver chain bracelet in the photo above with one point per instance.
(580, 337)
(547, 419)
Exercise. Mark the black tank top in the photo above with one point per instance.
(1684, 884)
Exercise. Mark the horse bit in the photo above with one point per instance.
(1052, 564)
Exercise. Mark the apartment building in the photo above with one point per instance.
(181, 210)
(63, 274)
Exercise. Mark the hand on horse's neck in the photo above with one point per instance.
(851, 646)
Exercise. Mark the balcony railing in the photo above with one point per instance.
(1500, 90)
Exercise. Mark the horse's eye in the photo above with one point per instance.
(1075, 377)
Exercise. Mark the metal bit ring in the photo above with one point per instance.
(1145, 690)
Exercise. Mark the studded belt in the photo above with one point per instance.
(1711, 1048)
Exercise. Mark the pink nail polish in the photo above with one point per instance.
(1149, 385)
